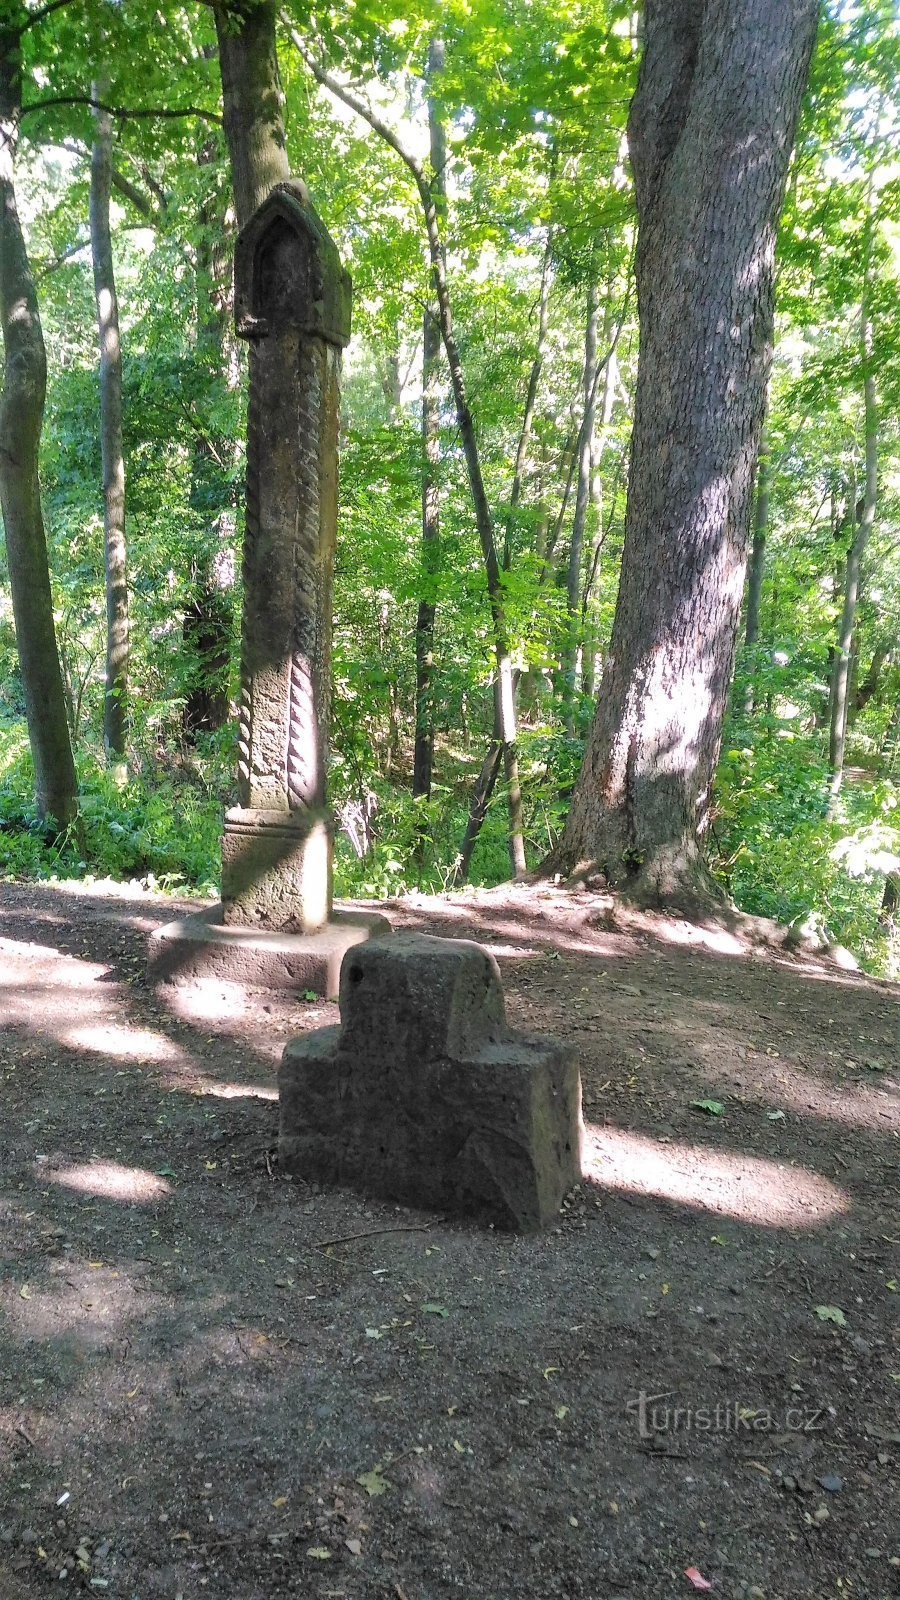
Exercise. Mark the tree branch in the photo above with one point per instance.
(125, 187)
(41, 13)
(60, 260)
(133, 194)
(121, 111)
(356, 103)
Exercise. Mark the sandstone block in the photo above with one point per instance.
(423, 1094)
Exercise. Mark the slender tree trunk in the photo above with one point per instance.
(868, 689)
(534, 378)
(484, 522)
(252, 100)
(209, 615)
(115, 708)
(423, 754)
(598, 445)
(710, 131)
(582, 501)
(21, 418)
(481, 797)
(504, 691)
(757, 566)
(865, 523)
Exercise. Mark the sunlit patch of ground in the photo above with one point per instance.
(225, 1371)
(748, 1188)
(109, 1180)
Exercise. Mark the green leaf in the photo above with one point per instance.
(713, 1108)
(374, 1482)
(831, 1314)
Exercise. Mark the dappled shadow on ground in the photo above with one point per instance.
(202, 1395)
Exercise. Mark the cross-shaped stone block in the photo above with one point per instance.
(423, 1094)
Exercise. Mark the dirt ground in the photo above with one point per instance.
(218, 1382)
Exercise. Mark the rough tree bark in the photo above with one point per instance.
(115, 710)
(21, 418)
(423, 753)
(252, 101)
(710, 130)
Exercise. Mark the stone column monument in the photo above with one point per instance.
(292, 302)
(276, 923)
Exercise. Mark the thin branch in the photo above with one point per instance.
(375, 1233)
(121, 111)
(62, 258)
(132, 193)
(356, 103)
(41, 13)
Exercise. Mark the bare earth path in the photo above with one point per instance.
(199, 1396)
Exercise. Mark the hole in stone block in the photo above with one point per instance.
(355, 974)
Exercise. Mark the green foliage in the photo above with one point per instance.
(534, 101)
(161, 830)
(780, 856)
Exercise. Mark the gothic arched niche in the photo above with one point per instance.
(282, 273)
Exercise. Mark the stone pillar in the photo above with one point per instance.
(275, 925)
(292, 302)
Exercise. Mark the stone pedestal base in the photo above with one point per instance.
(204, 946)
(425, 1096)
(276, 869)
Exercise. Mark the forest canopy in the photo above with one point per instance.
(495, 142)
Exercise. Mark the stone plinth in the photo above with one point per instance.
(276, 869)
(424, 1095)
(204, 946)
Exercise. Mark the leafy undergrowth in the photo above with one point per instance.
(781, 856)
(160, 828)
(772, 845)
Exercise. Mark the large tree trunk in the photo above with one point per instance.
(111, 449)
(21, 418)
(710, 132)
(423, 754)
(252, 100)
